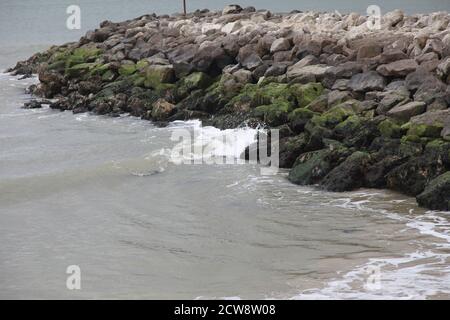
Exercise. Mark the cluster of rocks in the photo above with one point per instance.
(356, 107)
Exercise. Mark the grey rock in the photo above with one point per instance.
(232, 9)
(398, 68)
(406, 111)
(367, 81)
(369, 51)
(312, 71)
(276, 70)
(340, 84)
(243, 76)
(280, 44)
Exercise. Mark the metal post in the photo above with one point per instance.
(184, 7)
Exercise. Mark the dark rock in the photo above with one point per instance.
(312, 167)
(232, 9)
(436, 195)
(32, 104)
(349, 175)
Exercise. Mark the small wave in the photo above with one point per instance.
(421, 274)
(206, 144)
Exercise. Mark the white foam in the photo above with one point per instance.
(207, 143)
(416, 275)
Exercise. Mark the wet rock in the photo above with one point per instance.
(412, 176)
(290, 149)
(51, 83)
(436, 195)
(33, 104)
(162, 110)
(349, 175)
(312, 167)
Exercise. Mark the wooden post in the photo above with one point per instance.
(184, 7)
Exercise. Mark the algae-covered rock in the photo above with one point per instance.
(80, 70)
(290, 149)
(424, 130)
(274, 114)
(349, 175)
(390, 129)
(306, 93)
(436, 195)
(312, 167)
(299, 118)
(157, 75)
(127, 69)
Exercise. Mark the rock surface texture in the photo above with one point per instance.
(356, 107)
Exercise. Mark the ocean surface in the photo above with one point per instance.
(103, 194)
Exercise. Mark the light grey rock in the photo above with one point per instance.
(280, 44)
(406, 111)
(398, 68)
(317, 71)
(367, 81)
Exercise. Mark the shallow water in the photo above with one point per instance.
(102, 194)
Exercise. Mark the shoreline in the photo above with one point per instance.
(355, 107)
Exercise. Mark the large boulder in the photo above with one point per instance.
(312, 167)
(349, 174)
(312, 73)
(436, 195)
(431, 90)
(405, 111)
(181, 59)
(398, 68)
(232, 9)
(369, 51)
(249, 58)
(413, 176)
(367, 81)
(391, 99)
(162, 110)
(280, 44)
(415, 79)
(443, 70)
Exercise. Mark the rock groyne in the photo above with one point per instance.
(356, 107)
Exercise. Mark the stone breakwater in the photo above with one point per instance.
(355, 107)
